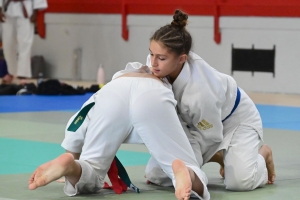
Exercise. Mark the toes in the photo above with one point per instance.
(271, 179)
(32, 186)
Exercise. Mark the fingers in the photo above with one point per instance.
(2, 17)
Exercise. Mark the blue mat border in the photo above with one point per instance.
(273, 116)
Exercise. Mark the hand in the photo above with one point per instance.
(2, 17)
(33, 16)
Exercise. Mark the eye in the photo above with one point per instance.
(162, 59)
(151, 54)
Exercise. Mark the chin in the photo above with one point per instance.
(158, 75)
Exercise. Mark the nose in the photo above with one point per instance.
(153, 62)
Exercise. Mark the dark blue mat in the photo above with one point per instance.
(278, 117)
(34, 103)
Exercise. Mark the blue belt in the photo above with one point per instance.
(237, 101)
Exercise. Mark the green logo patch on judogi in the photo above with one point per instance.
(78, 120)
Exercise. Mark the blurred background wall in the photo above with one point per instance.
(98, 37)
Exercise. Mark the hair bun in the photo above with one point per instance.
(179, 19)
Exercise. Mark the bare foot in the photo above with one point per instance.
(266, 152)
(183, 180)
(222, 172)
(50, 171)
(218, 158)
(7, 79)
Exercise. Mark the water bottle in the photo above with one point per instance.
(100, 76)
(40, 78)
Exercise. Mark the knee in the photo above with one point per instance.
(237, 179)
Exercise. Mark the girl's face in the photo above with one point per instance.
(165, 63)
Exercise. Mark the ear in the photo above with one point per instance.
(182, 58)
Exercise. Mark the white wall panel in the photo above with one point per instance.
(99, 37)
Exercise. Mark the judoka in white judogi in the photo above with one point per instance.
(18, 34)
(205, 100)
(127, 110)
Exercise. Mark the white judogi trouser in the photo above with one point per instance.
(124, 104)
(244, 168)
(17, 38)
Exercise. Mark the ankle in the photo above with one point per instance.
(197, 185)
(218, 158)
(265, 151)
(74, 173)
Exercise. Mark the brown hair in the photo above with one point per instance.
(175, 36)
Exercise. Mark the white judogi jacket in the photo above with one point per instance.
(14, 9)
(204, 98)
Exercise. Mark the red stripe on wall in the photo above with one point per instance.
(216, 8)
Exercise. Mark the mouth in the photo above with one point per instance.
(155, 70)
